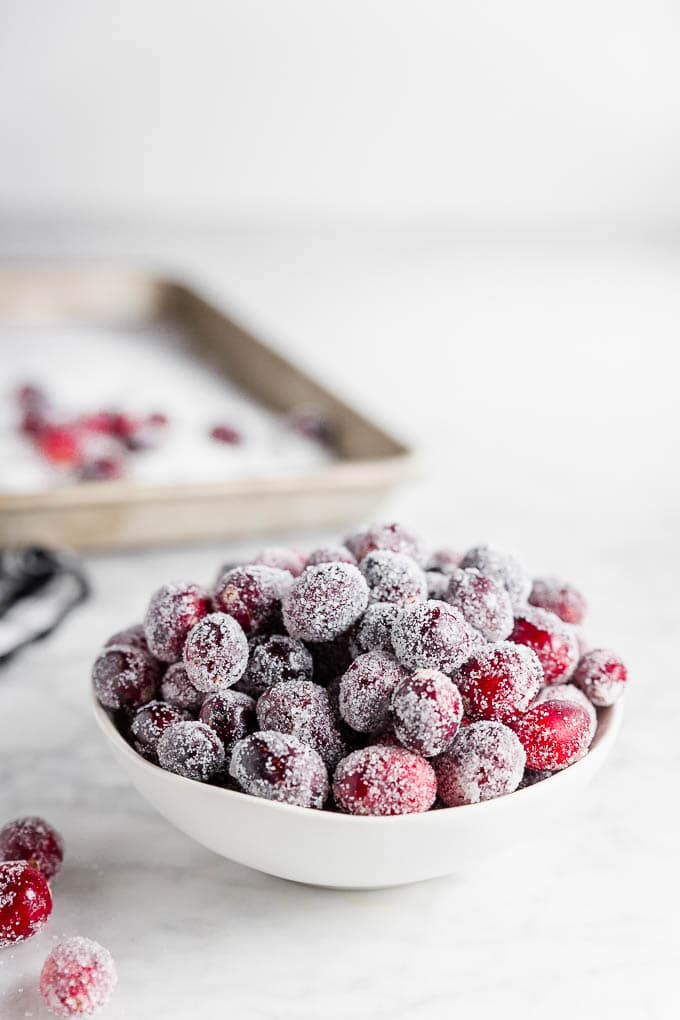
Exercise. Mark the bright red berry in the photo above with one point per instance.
(25, 902)
(499, 681)
(554, 734)
(551, 639)
(382, 780)
(602, 676)
(34, 841)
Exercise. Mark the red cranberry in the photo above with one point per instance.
(567, 692)
(302, 709)
(486, 760)
(31, 397)
(60, 444)
(173, 610)
(158, 420)
(393, 577)
(330, 554)
(226, 434)
(25, 902)
(551, 639)
(278, 766)
(560, 598)
(602, 676)
(132, 635)
(78, 978)
(252, 595)
(274, 660)
(431, 635)
(366, 690)
(383, 780)
(500, 567)
(499, 681)
(437, 585)
(102, 469)
(231, 715)
(393, 537)
(34, 408)
(34, 841)
(426, 712)
(554, 734)
(178, 690)
(125, 676)
(215, 653)
(150, 722)
(324, 602)
(374, 631)
(484, 603)
(291, 560)
(190, 749)
(444, 560)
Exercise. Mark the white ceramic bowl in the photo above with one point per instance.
(346, 852)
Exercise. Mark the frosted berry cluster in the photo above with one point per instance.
(373, 676)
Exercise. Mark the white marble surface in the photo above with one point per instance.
(540, 379)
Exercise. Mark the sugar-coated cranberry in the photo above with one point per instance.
(444, 560)
(393, 577)
(552, 640)
(231, 714)
(150, 722)
(431, 635)
(60, 444)
(125, 676)
(215, 652)
(178, 690)
(25, 902)
(437, 585)
(302, 709)
(382, 780)
(393, 537)
(426, 712)
(324, 601)
(330, 554)
(374, 630)
(366, 690)
(554, 734)
(282, 558)
(484, 603)
(486, 760)
(278, 766)
(173, 610)
(567, 692)
(274, 660)
(602, 676)
(35, 841)
(226, 434)
(190, 749)
(502, 568)
(499, 681)
(252, 595)
(560, 598)
(101, 469)
(133, 635)
(78, 978)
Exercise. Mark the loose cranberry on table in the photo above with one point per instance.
(501, 567)
(554, 734)
(431, 635)
(274, 660)
(426, 712)
(553, 641)
(60, 444)
(366, 690)
(192, 750)
(382, 780)
(173, 610)
(78, 978)
(34, 841)
(252, 595)
(231, 714)
(560, 598)
(324, 601)
(302, 709)
(601, 675)
(25, 902)
(393, 577)
(215, 653)
(499, 681)
(486, 760)
(280, 767)
(484, 603)
(125, 676)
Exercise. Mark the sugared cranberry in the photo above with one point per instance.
(25, 902)
(551, 639)
(437, 585)
(302, 709)
(330, 554)
(567, 692)
(444, 560)
(173, 610)
(78, 978)
(132, 635)
(503, 568)
(34, 841)
(426, 712)
(324, 601)
(252, 595)
(499, 681)
(393, 577)
(484, 603)
(60, 444)
(226, 434)
(374, 631)
(231, 714)
(102, 469)
(215, 652)
(150, 722)
(366, 690)
(560, 598)
(178, 690)
(554, 734)
(382, 780)
(282, 558)
(190, 749)
(125, 676)
(393, 537)
(486, 760)
(602, 676)
(274, 660)
(431, 635)
(278, 766)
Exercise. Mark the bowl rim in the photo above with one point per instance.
(609, 721)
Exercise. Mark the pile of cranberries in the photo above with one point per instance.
(367, 677)
(79, 975)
